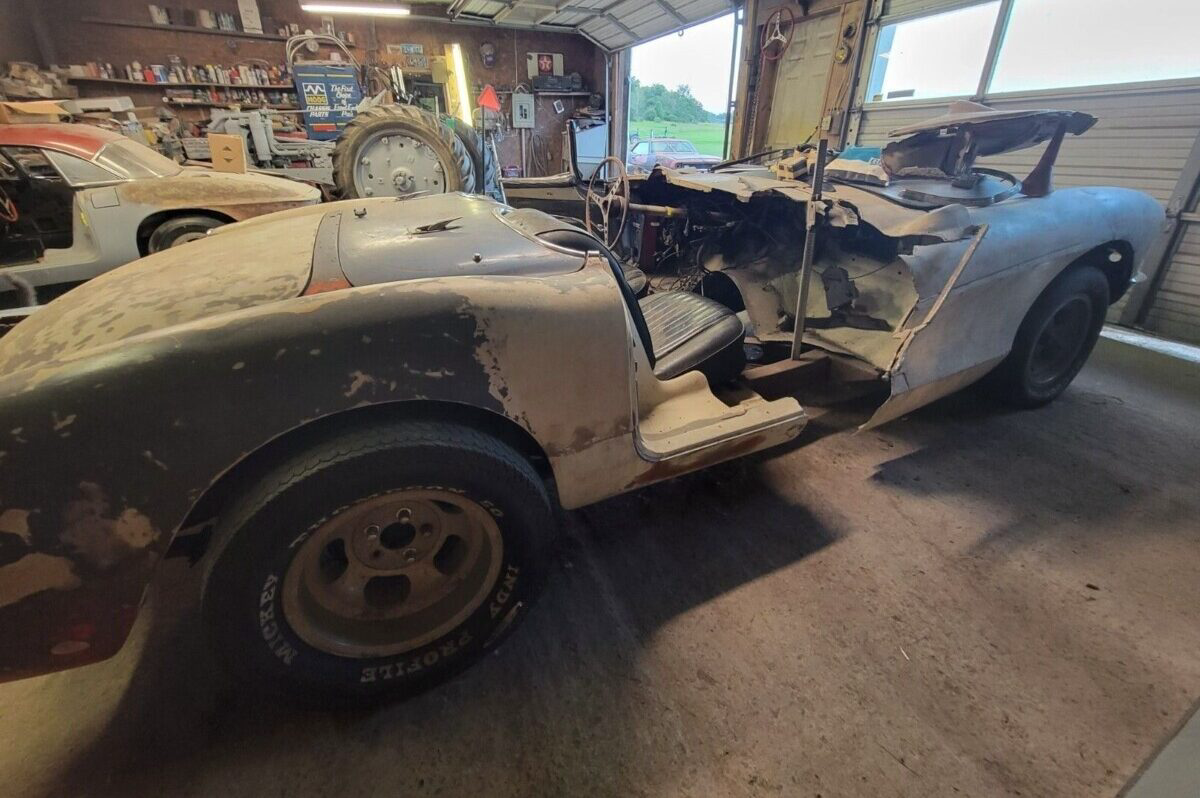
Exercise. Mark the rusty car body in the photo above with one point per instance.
(487, 328)
(670, 153)
(87, 200)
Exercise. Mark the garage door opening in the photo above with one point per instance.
(680, 95)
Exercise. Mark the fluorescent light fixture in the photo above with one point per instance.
(368, 9)
(460, 83)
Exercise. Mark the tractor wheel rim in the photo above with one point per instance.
(392, 573)
(396, 165)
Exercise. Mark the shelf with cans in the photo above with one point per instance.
(258, 75)
(261, 85)
(281, 97)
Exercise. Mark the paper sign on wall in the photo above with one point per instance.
(251, 21)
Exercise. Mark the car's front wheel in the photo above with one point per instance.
(180, 230)
(378, 563)
(1054, 340)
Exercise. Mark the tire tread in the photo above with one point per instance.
(454, 438)
(345, 150)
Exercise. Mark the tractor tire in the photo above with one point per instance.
(363, 136)
(487, 172)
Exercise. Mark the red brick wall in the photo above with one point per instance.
(16, 36)
(77, 41)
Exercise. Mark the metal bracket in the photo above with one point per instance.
(810, 242)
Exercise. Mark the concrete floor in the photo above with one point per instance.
(969, 601)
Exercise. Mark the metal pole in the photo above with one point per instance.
(733, 53)
(810, 242)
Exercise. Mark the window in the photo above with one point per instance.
(79, 172)
(130, 159)
(8, 172)
(1062, 43)
(940, 55)
(32, 162)
(641, 148)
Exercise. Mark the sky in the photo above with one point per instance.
(699, 59)
(1047, 44)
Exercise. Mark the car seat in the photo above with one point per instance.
(680, 331)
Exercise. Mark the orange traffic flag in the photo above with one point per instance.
(488, 99)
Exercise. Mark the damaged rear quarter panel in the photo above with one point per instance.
(1029, 242)
(103, 452)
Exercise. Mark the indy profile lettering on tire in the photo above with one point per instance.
(415, 664)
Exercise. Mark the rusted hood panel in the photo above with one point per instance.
(213, 276)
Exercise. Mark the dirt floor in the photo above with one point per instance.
(970, 601)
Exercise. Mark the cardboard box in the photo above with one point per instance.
(30, 113)
(93, 104)
(228, 152)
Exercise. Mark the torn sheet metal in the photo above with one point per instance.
(846, 203)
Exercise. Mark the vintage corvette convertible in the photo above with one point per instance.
(361, 417)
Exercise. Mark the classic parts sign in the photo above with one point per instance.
(328, 94)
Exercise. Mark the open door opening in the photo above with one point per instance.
(680, 96)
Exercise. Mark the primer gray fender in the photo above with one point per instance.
(1028, 243)
(107, 449)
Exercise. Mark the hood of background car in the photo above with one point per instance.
(197, 187)
(691, 160)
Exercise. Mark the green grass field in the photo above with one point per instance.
(709, 137)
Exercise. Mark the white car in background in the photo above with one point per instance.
(77, 200)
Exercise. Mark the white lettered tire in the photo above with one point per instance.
(378, 563)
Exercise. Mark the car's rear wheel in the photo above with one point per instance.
(180, 230)
(379, 563)
(1054, 340)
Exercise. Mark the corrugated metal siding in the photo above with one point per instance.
(1175, 309)
(635, 21)
(612, 25)
(894, 7)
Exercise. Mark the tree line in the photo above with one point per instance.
(657, 103)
